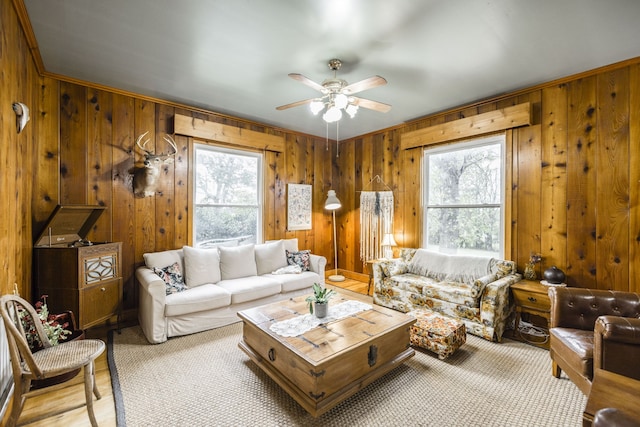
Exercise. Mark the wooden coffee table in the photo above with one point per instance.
(329, 363)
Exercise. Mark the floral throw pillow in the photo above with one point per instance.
(301, 258)
(172, 277)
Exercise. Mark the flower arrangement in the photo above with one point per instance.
(529, 269)
(55, 331)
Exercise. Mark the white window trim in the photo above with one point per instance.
(462, 145)
(260, 195)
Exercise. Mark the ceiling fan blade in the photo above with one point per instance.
(295, 104)
(371, 105)
(308, 82)
(365, 84)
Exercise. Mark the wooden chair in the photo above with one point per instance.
(46, 363)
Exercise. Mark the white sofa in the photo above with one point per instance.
(218, 282)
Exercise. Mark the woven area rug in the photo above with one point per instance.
(206, 380)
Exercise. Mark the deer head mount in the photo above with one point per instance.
(147, 177)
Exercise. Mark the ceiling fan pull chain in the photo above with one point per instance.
(337, 138)
(327, 133)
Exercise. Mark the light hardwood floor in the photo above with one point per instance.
(69, 401)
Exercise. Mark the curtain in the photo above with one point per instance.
(376, 219)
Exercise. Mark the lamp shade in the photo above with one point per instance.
(332, 202)
(388, 240)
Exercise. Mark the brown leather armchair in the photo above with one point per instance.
(592, 328)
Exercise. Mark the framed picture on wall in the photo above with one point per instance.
(298, 207)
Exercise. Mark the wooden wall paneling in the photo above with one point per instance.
(309, 151)
(302, 152)
(24, 163)
(581, 183)
(553, 202)
(73, 144)
(529, 194)
(291, 176)
(145, 211)
(612, 183)
(364, 171)
(634, 178)
(412, 197)
(346, 214)
(19, 83)
(8, 137)
(269, 214)
(280, 196)
(47, 167)
(323, 182)
(100, 161)
(510, 212)
(164, 198)
(181, 193)
(123, 209)
(397, 179)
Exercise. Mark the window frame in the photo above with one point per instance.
(496, 139)
(197, 146)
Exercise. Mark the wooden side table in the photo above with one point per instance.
(612, 390)
(531, 297)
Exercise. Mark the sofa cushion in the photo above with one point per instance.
(293, 282)
(454, 292)
(200, 298)
(301, 258)
(164, 258)
(201, 266)
(270, 257)
(172, 277)
(250, 288)
(290, 245)
(237, 261)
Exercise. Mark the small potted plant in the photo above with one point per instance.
(319, 300)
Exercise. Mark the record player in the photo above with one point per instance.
(75, 273)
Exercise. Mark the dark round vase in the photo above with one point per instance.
(77, 334)
(554, 275)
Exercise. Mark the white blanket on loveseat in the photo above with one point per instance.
(453, 268)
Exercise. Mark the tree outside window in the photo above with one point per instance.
(465, 198)
(227, 194)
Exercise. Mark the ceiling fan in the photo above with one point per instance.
(337, 95)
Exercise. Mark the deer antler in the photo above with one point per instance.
(167, 138)
(144, 144)
(173, 145)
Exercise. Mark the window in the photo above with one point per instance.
(228, 196)
(464, 197)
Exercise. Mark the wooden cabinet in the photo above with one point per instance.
(84, 279)
(531, 297)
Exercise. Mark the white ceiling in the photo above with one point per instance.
(233, 56)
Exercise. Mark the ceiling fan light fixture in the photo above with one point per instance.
(316, 106)
(333, 114)
(340, 100)
(351, 110)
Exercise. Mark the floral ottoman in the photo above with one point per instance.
(441, 334)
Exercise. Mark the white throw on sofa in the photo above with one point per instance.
(195, 289)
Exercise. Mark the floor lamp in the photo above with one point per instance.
(333, 204)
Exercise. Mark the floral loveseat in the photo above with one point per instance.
(472, 289)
